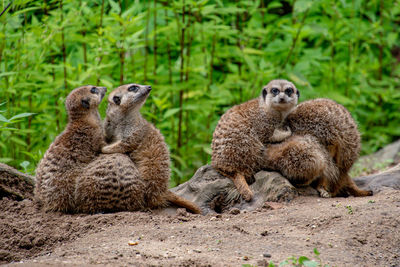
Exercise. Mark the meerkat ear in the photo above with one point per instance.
(264, 93)
(86, 103)
(298, 94)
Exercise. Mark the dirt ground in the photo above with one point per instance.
(346, 231)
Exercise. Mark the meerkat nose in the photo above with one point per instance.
(117, 100)
(148, 87)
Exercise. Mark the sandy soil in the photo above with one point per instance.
(346, 231)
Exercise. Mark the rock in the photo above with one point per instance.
(384, 157)
(234, 211)
(379, 181)
(266, 255)
(216, 193)
(264, 233)
(14, 184)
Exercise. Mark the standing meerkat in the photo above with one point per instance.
(333, 127)
(240, 138)
(75, 147)
(130, 133)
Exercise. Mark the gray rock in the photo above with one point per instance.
(379, 181)
(390, 154)
(216, 193)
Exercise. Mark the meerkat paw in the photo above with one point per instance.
(280, 135)
(323, 193)
(247, 195)
(107, 149)
(242, 187)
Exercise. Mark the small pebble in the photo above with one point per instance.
(266, 255)
(265, 233)
(234, 211)
(133, 243)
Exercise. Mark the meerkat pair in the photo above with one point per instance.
(74, 176)
(319, 141)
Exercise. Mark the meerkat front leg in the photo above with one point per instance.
(280, 135)
(241, 185)
(117, 147)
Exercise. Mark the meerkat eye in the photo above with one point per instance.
(275, 91)
(133, 88)
(289, 91)
(94, 90)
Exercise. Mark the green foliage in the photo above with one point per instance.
(303, 261)
(201, 57)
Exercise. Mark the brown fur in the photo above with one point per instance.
(110, 183)
(78, 145)
(238, 145)
(336, 138)
(145, 145)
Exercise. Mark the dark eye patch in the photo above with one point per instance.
(275, 91)
(133, 88)
(264, 93)
(289, 91)
(85, 103)
(94, 90)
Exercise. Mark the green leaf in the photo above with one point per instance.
(22, 115)
(3, 119)
(6, 160)
(302, 5)
(302, 259)
(308, 263)
(171, 112)
(24, 164)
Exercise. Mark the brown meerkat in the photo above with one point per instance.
(239, 139)
(130, 133)
(332, 125)
(76, 146)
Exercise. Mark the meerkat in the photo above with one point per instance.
(241, 135)
(130, 133)
(76, 146)
(335, 131)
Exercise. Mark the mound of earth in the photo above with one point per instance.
(346, 231)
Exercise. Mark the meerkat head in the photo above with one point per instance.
(129, 96)
(83, 99)
(280, 95)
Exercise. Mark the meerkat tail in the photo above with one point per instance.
(352, 188)
(181, 202)
(240, 182)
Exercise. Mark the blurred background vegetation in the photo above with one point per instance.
(201, 57)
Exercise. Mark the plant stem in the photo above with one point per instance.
(381, 9)
(99, 36)
(5, 9)
(168, 51)
(121, 49)
(294, 41)
(182, 46)
(63, 46)
(214, 41)
(146, 41)
(155, 41)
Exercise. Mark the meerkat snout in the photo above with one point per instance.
(103, 91)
